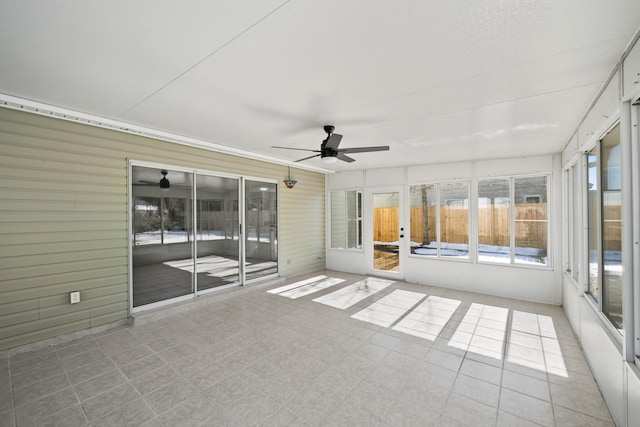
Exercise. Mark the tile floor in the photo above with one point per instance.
(376, 354)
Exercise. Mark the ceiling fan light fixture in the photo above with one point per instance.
(329, 159)
(164, 182)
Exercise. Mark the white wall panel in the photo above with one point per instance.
(633, 386)
(570, 150)
(603, 114)
(605, 359)
(439, 172)
(384, 177)
(571, 296)
(513, 282)
(631, 70)
(347, 261)
(345, 180)
(521, 165)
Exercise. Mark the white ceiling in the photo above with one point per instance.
(437, 81)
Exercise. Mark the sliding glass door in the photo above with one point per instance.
(217, 236)
(187, 233)
(261, 237)
(162, 252)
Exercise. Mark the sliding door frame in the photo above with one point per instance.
(241, 180)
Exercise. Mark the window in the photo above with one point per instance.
(346, 219)
(513, 225)
(605, 226)
(572, 216)
(440, 219)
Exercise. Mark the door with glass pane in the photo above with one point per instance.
(261, 229)
(387, 232)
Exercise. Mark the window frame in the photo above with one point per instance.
(359, 209)
(512, 222)
(572, 212)
(438, 255)
(597, 303)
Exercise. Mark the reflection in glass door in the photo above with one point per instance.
(217, 232)
(186, 233)
(261, 225)
(387, 231)
(162, 257)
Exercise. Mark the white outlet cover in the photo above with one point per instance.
(75, 297)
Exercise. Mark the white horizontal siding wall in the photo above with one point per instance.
(64, 217)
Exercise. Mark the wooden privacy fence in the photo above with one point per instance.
(493, 224)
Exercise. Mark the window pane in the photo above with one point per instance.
(568, 202)
(577, 230)
(423, 220)
(611, 228)
(346, 222)
(454, 219)
(494, 220)
(352, 219)
(217, 231)
(594, 246)
(162, 255)
(261, 224)
(338, 220)
(530, 195)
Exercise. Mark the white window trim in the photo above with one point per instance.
(512, 263)
(471, 245)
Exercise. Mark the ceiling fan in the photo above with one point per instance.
(329, 151)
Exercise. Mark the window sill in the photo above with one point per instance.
(525, 266)
(435, 258)
(359, 250)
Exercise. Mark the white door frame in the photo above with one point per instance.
(368, 231)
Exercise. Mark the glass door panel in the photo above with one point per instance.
(386, 231)
(162, 255)
(217, 232)
(261, 225)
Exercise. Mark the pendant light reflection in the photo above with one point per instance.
(164, 182)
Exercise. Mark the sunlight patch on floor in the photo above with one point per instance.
(429, 318)
(297, 284)
(482, 331)
(389, 309)
(352, 294)
(533, 343)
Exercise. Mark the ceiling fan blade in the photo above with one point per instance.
(364, 149)
(333, 141)
(345, 158)
(310, 157)
(299, 149)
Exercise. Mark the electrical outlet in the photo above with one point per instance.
(75, 297)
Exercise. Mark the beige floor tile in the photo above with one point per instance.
(567, 418)
(476, 389)
(527, 407)
(481, 371)
(263, 358)
(469, 412)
